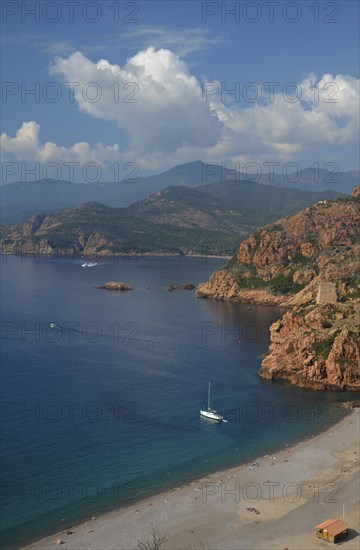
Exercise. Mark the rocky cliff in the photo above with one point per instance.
(319, 349)
(315, 344)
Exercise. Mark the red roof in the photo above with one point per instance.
(333, 526)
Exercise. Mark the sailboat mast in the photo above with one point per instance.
(209, 397)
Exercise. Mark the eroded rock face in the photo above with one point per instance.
(323, 239)
(315, 345)
(305, 353)
(303, 277)
(356, 191)
(33, 224)
(221, 286)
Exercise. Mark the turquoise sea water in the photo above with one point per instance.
(104, 409)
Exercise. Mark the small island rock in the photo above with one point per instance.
(184, 286)
(115, 286)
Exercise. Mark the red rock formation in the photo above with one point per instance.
(313, 346)
(115, 286)
(310, 356)
(222, 286)
(356, 191)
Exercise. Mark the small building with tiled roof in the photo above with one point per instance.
(332, 530)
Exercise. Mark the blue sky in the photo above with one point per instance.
(169, 54)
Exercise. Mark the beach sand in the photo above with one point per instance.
(293, 490)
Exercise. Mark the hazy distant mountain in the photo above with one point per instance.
(20, 200)
(316, 180)
(354, 174)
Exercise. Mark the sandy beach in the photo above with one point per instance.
(273, 502)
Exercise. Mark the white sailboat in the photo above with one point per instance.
(209, 412)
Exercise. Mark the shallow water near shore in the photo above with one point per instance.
(103, 409)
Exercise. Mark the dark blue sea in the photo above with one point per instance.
(103, 409)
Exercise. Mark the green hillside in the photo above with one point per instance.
(211, 219)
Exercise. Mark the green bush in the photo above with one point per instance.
(232, 263)
(284, 284)
(323, 348)
(299, 258)
(253, 282)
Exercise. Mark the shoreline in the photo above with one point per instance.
(82, 258)
(218, 499)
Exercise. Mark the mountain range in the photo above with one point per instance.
(21, 200)
(209, 219)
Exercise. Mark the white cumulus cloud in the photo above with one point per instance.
(154, 99)
(25, 152)
(159, 105)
